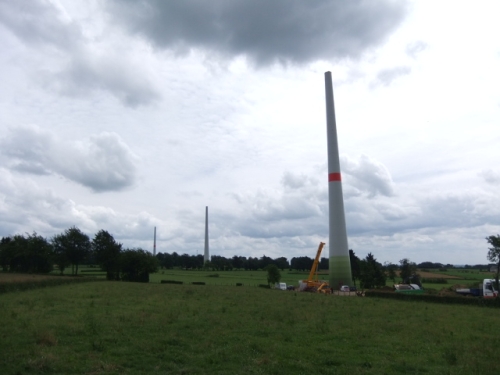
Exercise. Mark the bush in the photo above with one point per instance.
(266, 286)
(239, 284)
(170, 282)
(213, 275)
(136, 265)
(198, 283)
(97, 270)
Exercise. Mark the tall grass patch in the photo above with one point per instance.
(116, 327)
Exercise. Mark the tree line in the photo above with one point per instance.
(32, 253)
(221, 263)
(369, 273)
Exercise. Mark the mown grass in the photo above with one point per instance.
(247, 278)
(15, 282)
(114, 327)
(254, 278)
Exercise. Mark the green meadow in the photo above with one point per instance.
(131, 328)
(247, 278)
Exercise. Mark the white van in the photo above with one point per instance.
(281, 286)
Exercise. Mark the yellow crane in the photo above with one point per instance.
(312, 282)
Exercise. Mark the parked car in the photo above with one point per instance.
(353, 289)
(344, 288)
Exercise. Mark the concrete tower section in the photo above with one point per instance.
(339, 261)
(206, 256)
(154, 244)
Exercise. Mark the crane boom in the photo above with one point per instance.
(315, 263)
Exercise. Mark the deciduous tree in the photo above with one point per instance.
(107, 254)
(371, 273)
(6, 252)
(390, 269)
(406, 269)
(494, 254)
(136, 265)
(38, 254)
(71, 247)
(273, 274)
(355, 266)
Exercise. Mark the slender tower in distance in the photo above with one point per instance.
(339, 261)
(206, 256)
(154, 244)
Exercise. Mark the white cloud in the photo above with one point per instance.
(225, 114)
(103, 162)
(386, 76)
(490, 176)
(415, 48)
(368, 175)
(80, 64)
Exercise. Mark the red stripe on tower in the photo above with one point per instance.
(334, 177)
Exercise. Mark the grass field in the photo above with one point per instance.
(247, 278)
(254, 278)
(117, 327)
(463, 277)
(23, 278)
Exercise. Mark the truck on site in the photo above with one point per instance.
(408, 289)
(486, 289)
(281, 286)
(313, 284)
(410, 285)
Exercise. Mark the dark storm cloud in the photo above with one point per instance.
(102, 163)
(265, 31)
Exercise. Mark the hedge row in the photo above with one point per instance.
(201, 283)
(28, 285)
(458, 300)
(435, 280)
(98, 270)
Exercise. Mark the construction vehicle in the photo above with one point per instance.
(312, 284)
(408, 289)
(410, 285)
(486, 289)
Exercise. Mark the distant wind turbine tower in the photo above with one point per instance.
(206, 256)
(339, 262)
(154, 244)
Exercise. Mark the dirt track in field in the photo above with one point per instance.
(431, 275)
(22, 278)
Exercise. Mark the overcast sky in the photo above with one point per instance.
(125, 115)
